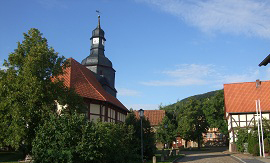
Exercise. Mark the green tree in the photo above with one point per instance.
(192, 121)
(166, 131)
(71, 138)
(27, 94)
(148, 135)
(213, 109)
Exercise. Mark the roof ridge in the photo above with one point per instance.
(70, 75)
(90, 82)
(246, 82)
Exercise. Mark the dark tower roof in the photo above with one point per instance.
(97, 56)
(98, 32)
(98, 63)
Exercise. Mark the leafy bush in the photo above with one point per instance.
(256, 150)
(253, 143)
(70, 138)
(57, 139)
(242, 137)
(266, 146)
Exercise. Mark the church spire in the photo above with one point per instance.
(98, 63)
(98, 12)
(98, 21)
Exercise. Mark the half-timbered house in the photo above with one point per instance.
(240, 106)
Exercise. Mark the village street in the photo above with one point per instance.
(216, 155)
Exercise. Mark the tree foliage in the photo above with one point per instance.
(27, 94)
(166, 131)
(192, 121)
(213, 109)
(71, 138)
(148, 135)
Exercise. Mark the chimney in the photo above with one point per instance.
(258, 83)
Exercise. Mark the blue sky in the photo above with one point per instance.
(162, 50)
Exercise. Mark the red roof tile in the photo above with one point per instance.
(240, 97)
(154, 116)
(83, 81)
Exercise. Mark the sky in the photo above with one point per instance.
(162, 50)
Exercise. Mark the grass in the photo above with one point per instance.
(10, 157)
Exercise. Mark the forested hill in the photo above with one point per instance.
(195, 97)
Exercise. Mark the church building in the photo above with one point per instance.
(98, 63)
(94, 80)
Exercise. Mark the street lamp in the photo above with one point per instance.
(141, 116)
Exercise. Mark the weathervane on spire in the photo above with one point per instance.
(98, 12)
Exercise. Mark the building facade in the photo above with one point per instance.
(240, 106)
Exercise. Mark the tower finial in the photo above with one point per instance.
(98, 12)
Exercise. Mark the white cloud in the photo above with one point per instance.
(248, 17)
(211, 75)
(184, 75)
(128, 92)
(178, 82)
(234, 78)
(191, 70)
(143, 106)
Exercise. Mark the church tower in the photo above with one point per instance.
(100, 65)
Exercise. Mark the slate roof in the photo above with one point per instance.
(265, 61)
(240, 97)
(154, 116)
(86, 85)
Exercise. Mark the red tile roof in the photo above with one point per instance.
(85, 84)
(154, 116)
(240, 97)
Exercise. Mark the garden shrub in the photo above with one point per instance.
(56, 140)
(252, 141)
(72, 139)
(266, 146)
(256, 150)
(242, 137)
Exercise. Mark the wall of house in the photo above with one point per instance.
(98, 111)
(214, 138)
(243, 120)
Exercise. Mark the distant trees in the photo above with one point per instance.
(167, 131)
(198, 113)
(149, 146)
(213, 108)
(192, 122)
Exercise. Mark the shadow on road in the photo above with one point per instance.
(205, 156)
(205, 150)
(194, 155)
